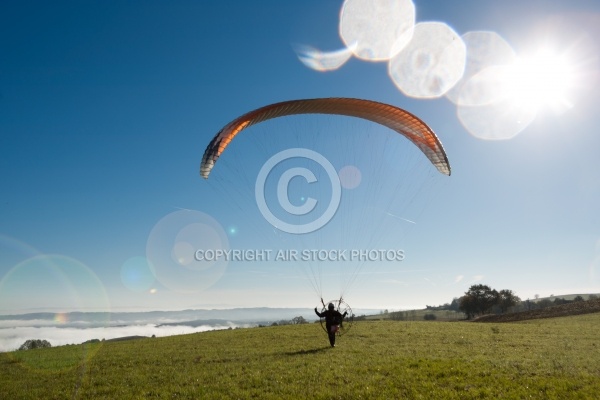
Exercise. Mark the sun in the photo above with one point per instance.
(545, 78)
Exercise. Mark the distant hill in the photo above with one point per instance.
(563, 310)
(585, 296)
(91, 319)
(194, 318)
(199, 322)
(120, 339)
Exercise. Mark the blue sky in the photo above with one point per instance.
(106, 109)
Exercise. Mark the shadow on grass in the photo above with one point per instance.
(310, 351)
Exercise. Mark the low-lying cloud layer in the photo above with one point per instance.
(11, 338)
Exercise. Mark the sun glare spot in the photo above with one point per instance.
(501, 100)
(544, 79)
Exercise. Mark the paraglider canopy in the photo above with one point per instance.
(390, 116)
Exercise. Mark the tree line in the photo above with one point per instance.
(482, 299)
(294, 321)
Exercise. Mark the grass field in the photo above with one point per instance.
(552, 358)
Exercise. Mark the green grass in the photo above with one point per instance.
(544, 359)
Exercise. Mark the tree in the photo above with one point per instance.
(507, 299)
(468, 305)
(455, 305)
(299, 320)
(398, 315)
(479, 299)
(34, 344)
(559, 301)
(544, 303)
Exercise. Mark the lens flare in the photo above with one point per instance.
(137, 274)
(350, 177)
(61, 318)
(431, 64)
(14, 251)
(173, 245)
(323, 60)
(484, 49)
(376, 30)
(50, 283)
